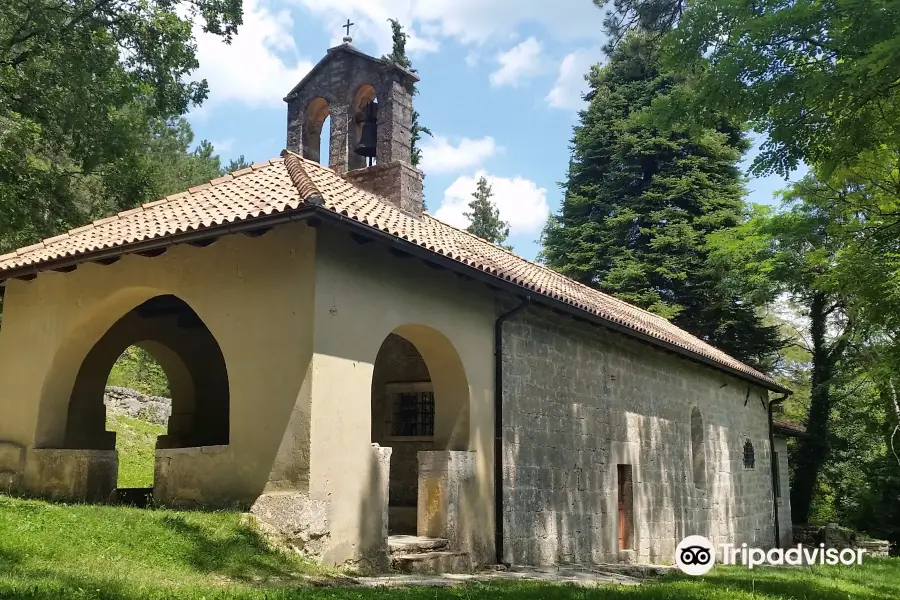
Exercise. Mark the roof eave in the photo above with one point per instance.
(519, 290)
(305, 211)
(196, 235)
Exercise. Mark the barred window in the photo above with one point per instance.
(749, 455)
(411, 410)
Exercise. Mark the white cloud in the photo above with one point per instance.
(518, 63)
(259, 67)
(520, 201)
(223, 146)
(570, 83)
(466, 21)
(440, 156)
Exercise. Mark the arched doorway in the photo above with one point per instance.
(420, 403)
(138, 404)
(166, 328)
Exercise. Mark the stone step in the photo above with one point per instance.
(413, 544)
(432, 563)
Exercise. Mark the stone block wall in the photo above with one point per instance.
(400, 184)
(131, 403)
(580, 400)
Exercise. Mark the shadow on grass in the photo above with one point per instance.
(245, 555)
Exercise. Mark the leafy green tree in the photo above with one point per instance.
(819, 78)
(398, 57)
(484, 217)
(79, 82)
(136, 369)
(640, 203)
(794, 252)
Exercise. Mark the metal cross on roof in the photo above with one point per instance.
(347, 26)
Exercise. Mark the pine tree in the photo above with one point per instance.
(398, 57)
(639, 204)
(485, 216)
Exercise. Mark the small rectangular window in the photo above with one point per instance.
(411, 410)
(626, 504)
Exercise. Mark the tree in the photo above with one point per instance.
(818, 78)
(640, 203)
(236, 164)
(79, 83)
(485, 216)
(794, 252)
(398, 57)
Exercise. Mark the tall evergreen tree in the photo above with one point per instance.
(398, 57)
(485, 217)
(639, 204)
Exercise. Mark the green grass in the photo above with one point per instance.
(136, 444)
(53, 551)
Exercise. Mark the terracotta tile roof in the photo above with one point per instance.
(284, 184)
(262, 189)
(788, 428)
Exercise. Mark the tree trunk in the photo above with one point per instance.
(813, 449)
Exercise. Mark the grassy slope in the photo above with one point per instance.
(50, 551)
(136, 443)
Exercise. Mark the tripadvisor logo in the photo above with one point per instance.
(696, 555)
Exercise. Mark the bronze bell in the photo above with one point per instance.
(369, 136)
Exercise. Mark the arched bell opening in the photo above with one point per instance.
(169, 331)
(363, 128)
(420, 403)
(318, 118)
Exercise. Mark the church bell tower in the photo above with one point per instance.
(369, 101)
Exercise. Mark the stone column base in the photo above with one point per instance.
(72, 475)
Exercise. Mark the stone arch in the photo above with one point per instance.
(364, 94)
(420, 403)
(69, 356)
(698, 448)
(317, 111)
(176, 336)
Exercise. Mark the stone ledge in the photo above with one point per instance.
(193, 450)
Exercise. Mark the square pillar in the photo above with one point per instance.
(445, 479)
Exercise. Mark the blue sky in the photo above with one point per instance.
(500, 89)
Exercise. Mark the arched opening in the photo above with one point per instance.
(698, 448)
(358, 112)
(186, 352)
(138, 404)
(419, 403)
(318, 119)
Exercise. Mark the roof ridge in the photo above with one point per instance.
(306, 187)
(147, 205)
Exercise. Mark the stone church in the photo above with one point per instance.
(336, 353)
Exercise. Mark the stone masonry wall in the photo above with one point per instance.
(578, 401)
(136, 405)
